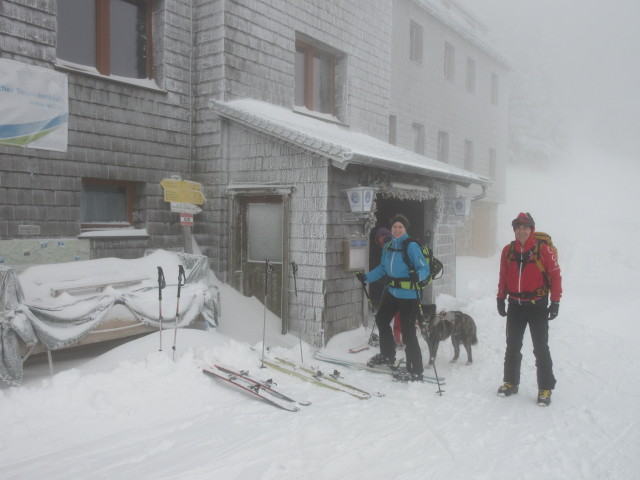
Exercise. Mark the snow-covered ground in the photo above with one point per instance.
(133, 413)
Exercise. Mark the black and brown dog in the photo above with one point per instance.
(438, 327)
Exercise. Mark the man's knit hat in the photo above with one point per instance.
(523, 219)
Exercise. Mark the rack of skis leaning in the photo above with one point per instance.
(266, 389)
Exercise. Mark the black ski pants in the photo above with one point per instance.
(518, 317)
(408, 309)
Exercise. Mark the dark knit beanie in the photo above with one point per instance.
(402, 219)
(523, 219)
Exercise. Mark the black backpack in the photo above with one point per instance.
(436, 269)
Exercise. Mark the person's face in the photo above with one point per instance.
(522, 233)
(380, 240)
(398, 230)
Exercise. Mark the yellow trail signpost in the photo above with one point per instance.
(182, 191)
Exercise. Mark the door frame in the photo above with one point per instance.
(239, 194)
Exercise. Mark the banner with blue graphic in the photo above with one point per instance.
(34, 107)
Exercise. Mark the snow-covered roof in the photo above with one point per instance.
(336, 142)
(461, 18)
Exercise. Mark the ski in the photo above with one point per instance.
(317, 377)
(318, 355)
(359, 349)
(252, 387)
(268, 385)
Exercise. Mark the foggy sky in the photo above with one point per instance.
(591, 49)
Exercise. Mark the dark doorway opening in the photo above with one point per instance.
(417, 212)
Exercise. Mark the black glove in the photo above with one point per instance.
(361, 277)
(502, 310)
(413, 276)
(553, 310)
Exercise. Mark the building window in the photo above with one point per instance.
(449, 62)
(471, 75)
(493, 163)
(415, 41)
(264, 240)
(393, 129)
(495, 88)
(315, 73)
(106, 204)
(468, 155)
(112, 36)
(418, 138)
(443, 147)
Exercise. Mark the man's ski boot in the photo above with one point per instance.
(507, 389)
(544, 398)
(381, 359)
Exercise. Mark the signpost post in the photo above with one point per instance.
(184, 196)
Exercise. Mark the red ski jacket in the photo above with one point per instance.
(520, 277)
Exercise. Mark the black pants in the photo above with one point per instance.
(518, 317)
(408, 310)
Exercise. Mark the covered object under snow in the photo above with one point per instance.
(58, 305)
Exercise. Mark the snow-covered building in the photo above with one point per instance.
(276, 108)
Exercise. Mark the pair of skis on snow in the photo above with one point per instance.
(389, 370)
(266, 390)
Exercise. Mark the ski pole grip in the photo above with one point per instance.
(182, 279)
(161, 282)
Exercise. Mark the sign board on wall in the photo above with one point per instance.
(34, 106)
(182, 191)
(355, 253)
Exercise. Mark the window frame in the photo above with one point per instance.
(418, 130)
(130, 195)
(103, 39)
(443, 146)
(468, 155)
(310, 51)
(471, 75)
(393, 129)
(449, 66)
(416, 36)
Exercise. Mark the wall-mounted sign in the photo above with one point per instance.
(183, 191)
(34, 106)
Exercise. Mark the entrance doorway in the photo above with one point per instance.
(421, 216)
(260, 238)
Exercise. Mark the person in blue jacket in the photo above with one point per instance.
(400, 296)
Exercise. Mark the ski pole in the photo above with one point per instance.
(161, 285)
(294, 267)
(267, 271)
(432, 360)
(182, 279)
(371, 335)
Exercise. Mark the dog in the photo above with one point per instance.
(455, 324)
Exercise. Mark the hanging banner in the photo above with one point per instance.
(34, 107)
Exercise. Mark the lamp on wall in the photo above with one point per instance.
(361, 199)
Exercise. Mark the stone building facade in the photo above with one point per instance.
(276, 107)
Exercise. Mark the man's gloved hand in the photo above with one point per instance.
(502, 310)
(413, 276)
(553, 310)
(362, 278)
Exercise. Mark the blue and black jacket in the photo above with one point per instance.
(393, 265)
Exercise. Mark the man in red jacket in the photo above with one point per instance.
(529, 276)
